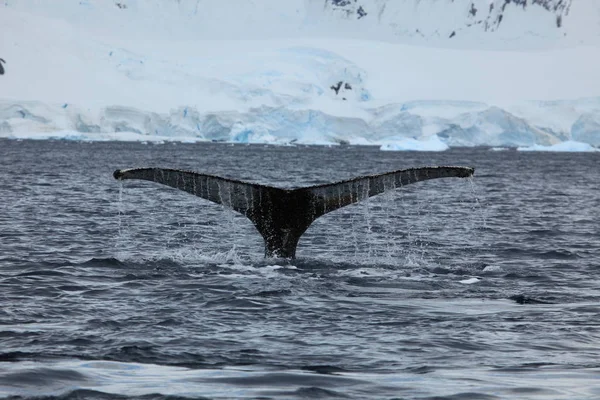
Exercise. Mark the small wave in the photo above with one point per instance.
(424, 369)
(492, 269)
(323, 369)
(136, 353)
(192, 256)
(261, 269)
(87, 394)
(465, 396)
(13, 356)
(469, 281)
(289, 378)
(96, 323)
(526, 367)
(108, 262)
(545, 233)
(43, 272)
(232, 302)
(71, 288)
(273, 293)
(42, 376)
(558, 254)
(312, 392)
(523, 299)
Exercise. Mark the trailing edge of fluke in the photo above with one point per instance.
(281, 216)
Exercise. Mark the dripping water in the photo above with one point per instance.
(367, 219)
(477, 207)
(120, 212)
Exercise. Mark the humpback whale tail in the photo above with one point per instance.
(281, 216)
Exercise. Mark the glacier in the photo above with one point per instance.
(363, 72)
(399, 126)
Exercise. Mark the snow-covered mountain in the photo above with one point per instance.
(482, 24)
(507, 24)
(514, 24)
(467, 72)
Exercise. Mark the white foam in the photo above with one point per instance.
(493, 269)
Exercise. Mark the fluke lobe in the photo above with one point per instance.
(281, 216)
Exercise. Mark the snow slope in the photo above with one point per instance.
(304, 70)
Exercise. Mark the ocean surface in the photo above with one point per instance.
(483, 288)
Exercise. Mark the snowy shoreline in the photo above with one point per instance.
(423, 125)
(432, 145)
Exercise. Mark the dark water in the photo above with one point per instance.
(448, 289)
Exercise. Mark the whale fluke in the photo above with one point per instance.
(281, 216)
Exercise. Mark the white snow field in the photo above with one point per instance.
(401, 74)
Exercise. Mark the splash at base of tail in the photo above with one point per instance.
(281, 216)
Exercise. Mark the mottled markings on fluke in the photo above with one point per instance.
(281, 216)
